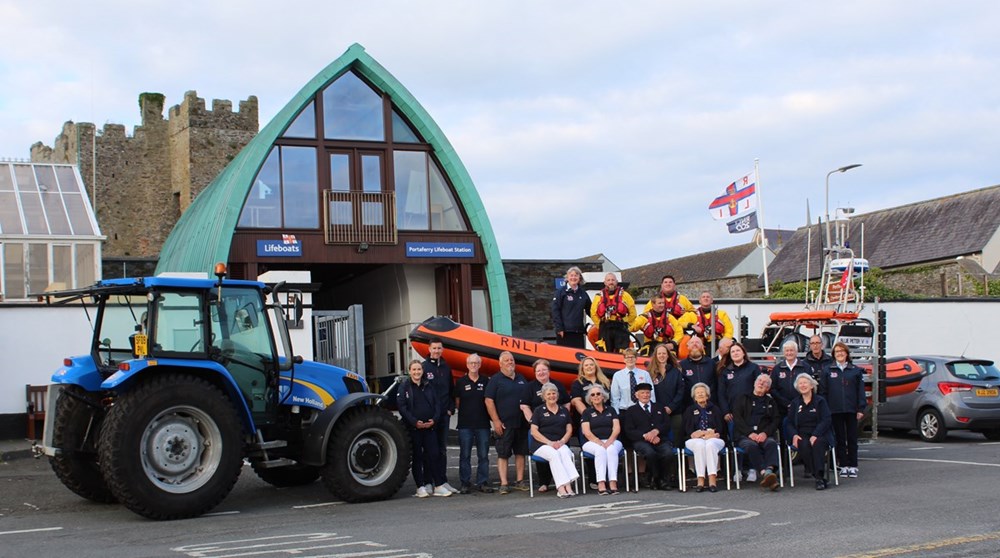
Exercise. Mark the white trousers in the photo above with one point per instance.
(706, 454)
(561, 462)
(605, 459)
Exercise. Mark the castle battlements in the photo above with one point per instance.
(157, 170)
(192, 113)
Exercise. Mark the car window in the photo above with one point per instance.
(973, 370)
(928, 366)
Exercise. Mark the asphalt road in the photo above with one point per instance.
(911, 499)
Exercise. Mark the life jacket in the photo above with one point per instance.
(703, 321)
(612, 306)
(658, 328)
(673, 304)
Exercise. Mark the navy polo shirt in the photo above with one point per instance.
(508, 394)
(601, 423)
(471, 397)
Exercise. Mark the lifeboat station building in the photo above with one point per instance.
(354, 183)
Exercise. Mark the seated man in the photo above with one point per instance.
(702, 320)
(646, 426)
(658, 326)
(676, 304)
(755, 423)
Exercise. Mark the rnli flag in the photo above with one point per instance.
(743, 224)
(739, 199)
(847, 279)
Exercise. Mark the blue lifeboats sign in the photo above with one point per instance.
(440, 250)
(287, 247)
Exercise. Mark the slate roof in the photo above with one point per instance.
(776, 238)
(688, 269)
(932, 230)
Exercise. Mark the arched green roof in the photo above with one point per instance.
(204, 232)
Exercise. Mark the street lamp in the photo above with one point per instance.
(841, 169)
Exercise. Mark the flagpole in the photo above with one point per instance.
(760, 225)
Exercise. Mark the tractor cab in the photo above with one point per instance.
(172, 321)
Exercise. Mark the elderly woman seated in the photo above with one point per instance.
(551, 429)
(705, 426)
(600, 428)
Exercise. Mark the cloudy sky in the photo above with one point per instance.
(587, 126)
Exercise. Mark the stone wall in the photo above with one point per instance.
(942, 279)
(743, 286)
(144, 181)
(531, 284)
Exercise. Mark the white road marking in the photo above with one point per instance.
(221, 513)
(39, 530)
(306, 545)
(926, 448)
(935, 461)
(316, 505)
(603, 515)
(32, 506)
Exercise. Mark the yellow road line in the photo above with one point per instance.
(932, 545)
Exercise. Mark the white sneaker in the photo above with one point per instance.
(450, 488)
(751, 476)
(737, 476)
(844, 471)
(852, 472)
(442, 490)
(422, 492)
(429, 488)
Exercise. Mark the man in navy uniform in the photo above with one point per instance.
(507, 405)
(438, 373)
(646, 427)
(473, 427)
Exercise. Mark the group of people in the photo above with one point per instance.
(698, 403)
(666, 319)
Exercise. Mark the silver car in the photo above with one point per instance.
(947, 393)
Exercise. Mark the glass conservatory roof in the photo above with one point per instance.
(40, 199)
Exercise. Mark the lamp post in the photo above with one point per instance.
(841, 169)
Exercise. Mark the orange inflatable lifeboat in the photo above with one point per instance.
(461, 340)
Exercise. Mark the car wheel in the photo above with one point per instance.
(931, 426)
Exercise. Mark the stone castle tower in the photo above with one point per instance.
(142, 183)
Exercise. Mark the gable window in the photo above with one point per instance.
(423, 199)
(366, 182)
(352, 110)
(285, 191)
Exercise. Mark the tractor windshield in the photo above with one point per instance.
(121, 317)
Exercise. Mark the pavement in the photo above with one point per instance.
(14, 449)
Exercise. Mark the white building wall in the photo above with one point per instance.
(395, 299)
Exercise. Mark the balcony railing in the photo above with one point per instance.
(356, 217)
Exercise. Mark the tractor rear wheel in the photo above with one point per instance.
(78, 421)
(171, 448)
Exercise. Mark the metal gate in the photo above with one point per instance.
(339, 337)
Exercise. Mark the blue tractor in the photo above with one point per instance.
(187, 378)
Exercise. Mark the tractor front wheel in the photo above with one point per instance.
(368, 455)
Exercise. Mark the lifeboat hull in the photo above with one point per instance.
(902, 376)
(461, 340)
